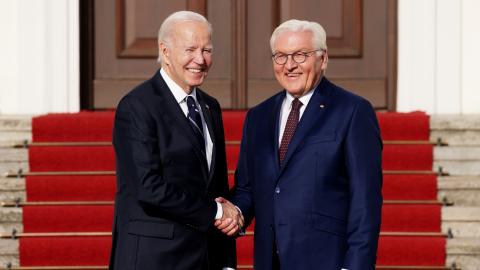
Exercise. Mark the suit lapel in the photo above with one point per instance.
(207, 115)
(274, 128)
(177, 117)
(318, 103)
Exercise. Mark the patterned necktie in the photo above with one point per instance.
(195, 121)
(290, 127)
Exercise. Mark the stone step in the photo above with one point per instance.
(464, 262)
(466, 153)
(10, 215)
(458, 167)
(15, 122)
(12, 184)
(9, 252)
(9, 138)
(461, 213)
(457, 137)
(460, 190)
(13, 166)
(13, 154)
(465, 252)
(8, 227)
(12, 189)
(463, 221)
(455, 122)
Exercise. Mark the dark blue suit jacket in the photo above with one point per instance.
(323, 207)
(164, 205)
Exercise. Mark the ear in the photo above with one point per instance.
(324, 60)
(164, 52)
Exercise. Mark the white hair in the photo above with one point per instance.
(319, 38)
(180, 16)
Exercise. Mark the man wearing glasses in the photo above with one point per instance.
(310, 170)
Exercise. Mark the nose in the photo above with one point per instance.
(198, 57)
(290, 64)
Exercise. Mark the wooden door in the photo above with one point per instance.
(361, 42)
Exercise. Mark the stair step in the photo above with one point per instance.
(21, 144)
(14, 173)
(462, 221)
(80, 235)
(15, 123)
(95, 157)
(464, 246)
(78, 250)
(68, 203)
(247, 267)
(455, 122)
(13, 155)
(397, 216)
(459, 167)
(457, 137)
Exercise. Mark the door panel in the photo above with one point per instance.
(361, 44)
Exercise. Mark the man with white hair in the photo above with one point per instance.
(171, 164)
(310, 168)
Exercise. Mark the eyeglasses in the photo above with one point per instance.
(297, 57)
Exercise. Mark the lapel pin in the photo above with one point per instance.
(322, 106)
(206, 106)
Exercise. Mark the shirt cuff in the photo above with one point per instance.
(219, 211)
(227, 268)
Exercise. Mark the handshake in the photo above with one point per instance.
(232, 220)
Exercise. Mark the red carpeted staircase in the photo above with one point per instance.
(71, 184)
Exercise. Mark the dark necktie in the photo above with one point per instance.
(195, 121)
(290, 127)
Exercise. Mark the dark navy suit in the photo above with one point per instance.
(322, 209)
(164, 205)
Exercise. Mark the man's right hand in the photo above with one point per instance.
(232, 220)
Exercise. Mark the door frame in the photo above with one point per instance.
(87, 53)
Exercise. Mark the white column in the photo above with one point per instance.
(438, 56)
(448, 55)
(470, 78)
(41, 73)
(416, 55)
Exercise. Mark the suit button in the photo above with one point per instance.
(277, 190)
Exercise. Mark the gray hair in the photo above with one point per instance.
(319, 35)
(179, 16)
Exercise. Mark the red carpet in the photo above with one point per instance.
(102, 158)
(94, 250)
(42, 251)
(409, 187)
(71, 188)
(97, 127)
(72, 218)
(102, 187)
(93, 218)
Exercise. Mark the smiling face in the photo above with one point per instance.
(297, 78)
(187, 55)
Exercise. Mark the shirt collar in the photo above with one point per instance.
(304, 99)
(176, 90)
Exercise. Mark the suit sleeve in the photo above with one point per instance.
(242, 191)
(228, 243)
(363, 151)
(138, 157)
